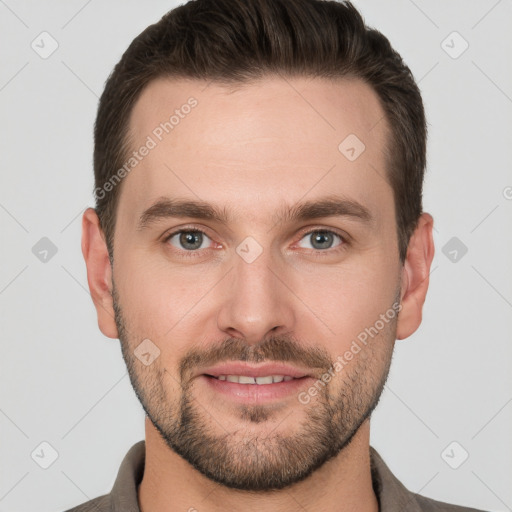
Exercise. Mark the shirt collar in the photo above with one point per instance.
(391, 493)
(124, 492)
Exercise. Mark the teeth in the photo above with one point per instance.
(242, 379)
(245, 379)
(264, 380)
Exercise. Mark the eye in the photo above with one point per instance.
(320, 239)
(188, 240)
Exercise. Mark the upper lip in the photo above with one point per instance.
(241, 368)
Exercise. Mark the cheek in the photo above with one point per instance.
(159, 298)
(349, 297)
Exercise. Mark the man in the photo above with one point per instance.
(258, 245)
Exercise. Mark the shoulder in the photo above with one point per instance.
(99, 504)
(430, 505)
(393, 495)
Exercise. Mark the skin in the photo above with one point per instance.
(253, 150)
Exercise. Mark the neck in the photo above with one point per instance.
(171, 484)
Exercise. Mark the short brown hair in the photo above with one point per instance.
(236, 41)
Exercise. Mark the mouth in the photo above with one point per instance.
(244, 383)
(261, 380)
(245, 373)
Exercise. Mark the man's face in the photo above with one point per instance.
(258, 287)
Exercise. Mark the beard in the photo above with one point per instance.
(246, 458)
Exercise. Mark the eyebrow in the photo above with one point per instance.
(330, 206)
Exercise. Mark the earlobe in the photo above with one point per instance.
(99, 272)
(415, 277)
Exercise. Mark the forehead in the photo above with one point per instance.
(258, 145)
(229, 114)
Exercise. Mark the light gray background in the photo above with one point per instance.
(63, 382)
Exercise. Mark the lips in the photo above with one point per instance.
(245, 373)
(243, 383)
(246, 379)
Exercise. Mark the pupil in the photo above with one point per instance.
(193, 238)
(323, 239)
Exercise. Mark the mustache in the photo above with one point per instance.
(275, 348)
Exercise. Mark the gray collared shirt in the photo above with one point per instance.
(391, 494)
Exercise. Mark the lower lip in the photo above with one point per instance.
(257, 393)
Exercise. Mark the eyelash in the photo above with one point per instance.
(317, 253)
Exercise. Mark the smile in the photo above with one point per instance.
(246, 379)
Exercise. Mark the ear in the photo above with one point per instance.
(415, 277)
(99, 272)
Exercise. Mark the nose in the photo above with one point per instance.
(256, 301)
